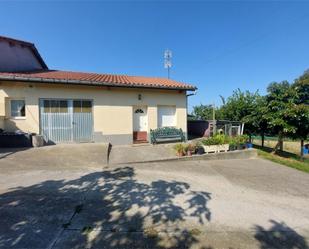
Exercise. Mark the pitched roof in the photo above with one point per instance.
(80, 78)
(30, 45)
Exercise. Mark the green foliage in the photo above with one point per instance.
(290, 162)
(191, 147)
(238, 140)
(283, 112)
(239, 105)
(256, 121)
(205, 112)
(241, 139)
(280, 98)
(302, 87)
(216, 140)
(180, 148)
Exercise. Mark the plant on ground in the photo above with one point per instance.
(180, 148)
(191, 147)
(241, 139)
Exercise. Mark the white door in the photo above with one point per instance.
(140, 119)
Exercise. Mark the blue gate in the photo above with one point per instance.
(66, 121)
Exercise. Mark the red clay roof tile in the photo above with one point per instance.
(97, 79)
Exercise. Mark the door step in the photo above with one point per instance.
(140, 142)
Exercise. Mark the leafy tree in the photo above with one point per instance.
(240, 107)
(281, 97)
(302, 87)
(298, 116)
(299, 113)
(257, 118)
(205, 112)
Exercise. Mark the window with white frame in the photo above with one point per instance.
(166, 116)
(18, 107)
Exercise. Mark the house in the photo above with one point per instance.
(67, 106)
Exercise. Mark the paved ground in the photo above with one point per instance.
(140, 153)
(198, 204)
(77, 156)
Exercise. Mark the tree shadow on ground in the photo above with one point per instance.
(279, 236)
(109, 209)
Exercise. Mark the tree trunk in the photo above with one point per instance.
(279, 145)
(302, 148)
(263, 138)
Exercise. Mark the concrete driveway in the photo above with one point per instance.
(248, 203)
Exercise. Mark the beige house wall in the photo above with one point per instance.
(112, 107)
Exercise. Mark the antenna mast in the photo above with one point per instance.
(168, 61)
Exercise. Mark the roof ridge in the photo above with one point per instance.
(16, 40)
(109, 74)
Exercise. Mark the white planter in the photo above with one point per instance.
(210, 148)
(216, 148)
(223, 147)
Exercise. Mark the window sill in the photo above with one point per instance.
(17, 118)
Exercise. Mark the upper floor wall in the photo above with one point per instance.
(16, 56)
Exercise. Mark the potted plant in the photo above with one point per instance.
(210, 145)
(232, 144)
(241, 141)
(190, 149)
(180, 149)
(199, 148)
(249, 144)
(223, 143)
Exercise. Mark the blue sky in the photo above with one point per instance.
(218, 46)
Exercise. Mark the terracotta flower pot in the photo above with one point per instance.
(180, 153)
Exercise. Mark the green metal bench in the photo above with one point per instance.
(166, 134)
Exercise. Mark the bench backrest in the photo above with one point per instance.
(166, 132)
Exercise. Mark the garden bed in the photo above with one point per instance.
(218, 143)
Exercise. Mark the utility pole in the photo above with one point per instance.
(214, 118)
(168, 61)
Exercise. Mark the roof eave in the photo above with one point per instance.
(91, 83)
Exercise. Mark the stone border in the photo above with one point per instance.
(238, 154)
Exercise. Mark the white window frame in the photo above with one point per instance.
(17, 117)
(160, 121)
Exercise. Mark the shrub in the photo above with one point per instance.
(191, 147)
(216, 140)
(238, 140)
(241, 139)
(180, 148)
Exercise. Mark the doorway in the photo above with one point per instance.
(140, 124)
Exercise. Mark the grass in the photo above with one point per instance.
(288, 145)
(285, 158)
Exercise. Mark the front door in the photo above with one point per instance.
(140, 123)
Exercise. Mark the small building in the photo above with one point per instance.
(68, 107)
(207, 128)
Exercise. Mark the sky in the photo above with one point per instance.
(218, 46)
